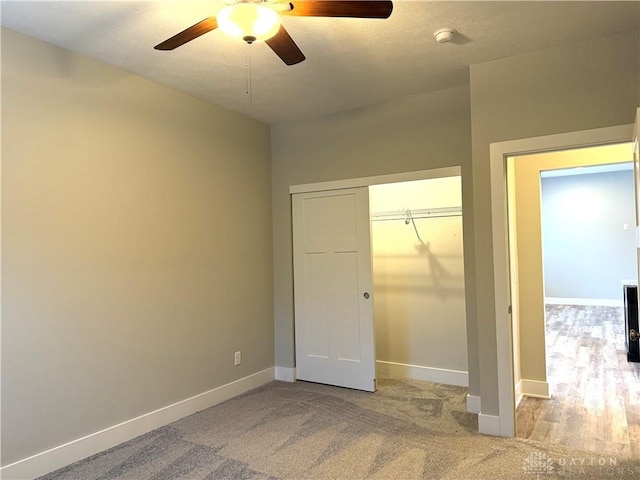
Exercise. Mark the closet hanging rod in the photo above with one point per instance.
(417, 213)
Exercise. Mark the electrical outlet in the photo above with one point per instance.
(237, 359)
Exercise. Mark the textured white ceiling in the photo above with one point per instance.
(350, 62)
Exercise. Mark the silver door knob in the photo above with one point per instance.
(633, 335)
(366, 295)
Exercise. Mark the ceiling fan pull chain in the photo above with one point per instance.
(249, 90)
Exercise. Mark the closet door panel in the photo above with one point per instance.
(332, 288)
(316, 300)
(346, 306)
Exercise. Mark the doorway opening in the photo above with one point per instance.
(503, 424)
(418, 280)
(572, 245)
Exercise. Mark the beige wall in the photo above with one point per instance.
(136, 246)
(129, 276)
(419, 304)
(579, 86)
(527, 170)
(415, 133)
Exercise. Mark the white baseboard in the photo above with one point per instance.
(473, 403)
(418, 372)
(596, 302)
(534, 388)
(518, 392)
(286, 374)
(62, 455)
(489, 424)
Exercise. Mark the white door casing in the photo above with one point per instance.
(636, 181)
(333, 288)
(503, 423)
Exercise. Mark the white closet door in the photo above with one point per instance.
(332, 285)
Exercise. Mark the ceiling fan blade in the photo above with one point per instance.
(284, 46)
(341, 8)
(189, 34)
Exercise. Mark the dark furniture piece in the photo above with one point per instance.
(631, 330)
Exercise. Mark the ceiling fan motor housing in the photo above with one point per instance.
(253, 20)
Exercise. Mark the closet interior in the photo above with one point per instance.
(418, 278)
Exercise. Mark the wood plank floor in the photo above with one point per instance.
(595, 392)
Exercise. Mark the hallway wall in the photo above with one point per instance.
(587, 250)
(529, 230)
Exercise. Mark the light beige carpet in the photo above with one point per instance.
(406, 430)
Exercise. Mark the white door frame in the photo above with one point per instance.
(377, 180)
(441, 172)
(498, 154)
(289, 374)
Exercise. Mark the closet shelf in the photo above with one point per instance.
(417, 213)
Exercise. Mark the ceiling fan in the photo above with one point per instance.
(254, 20)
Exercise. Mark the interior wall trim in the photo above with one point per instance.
(489, 424)
(376, 180)
(498, 153)
(419, 372)
(62, 455)
(598, 302)
(518, 393)
(473, 403)
(534, 388)
(286, 374)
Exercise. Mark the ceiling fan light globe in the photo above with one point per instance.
(248, 20)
